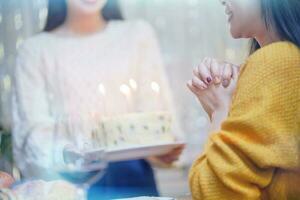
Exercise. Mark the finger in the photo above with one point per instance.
(215, 70)
(159, 161)
(208, 62)
(235, 72)
(227, 74)
(169, 159)
(198, 83)
(204, 70)
(172, 160)
(196, 72)
(179, 149)
(204, 73)
(192, 88)
(175, 153)
(234, 79)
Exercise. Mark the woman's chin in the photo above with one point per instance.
(235, 34)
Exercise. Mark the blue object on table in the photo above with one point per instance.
(125, 179)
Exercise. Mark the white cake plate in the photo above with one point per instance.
(138, 152)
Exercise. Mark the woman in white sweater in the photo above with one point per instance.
(59, 72)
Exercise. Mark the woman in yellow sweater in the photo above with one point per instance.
(255, 152)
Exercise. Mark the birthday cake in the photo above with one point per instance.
(136, 129)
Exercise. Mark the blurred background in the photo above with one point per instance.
(188, 31)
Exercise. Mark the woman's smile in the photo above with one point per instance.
(89, 1)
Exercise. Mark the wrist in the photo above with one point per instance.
(217, 117)
(217, 113)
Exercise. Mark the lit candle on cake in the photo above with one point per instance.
(133, 84)
(156, 88)
(102, 91)
(125, 90)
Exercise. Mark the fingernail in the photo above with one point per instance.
(203, 87)
(225, 83)
(208, 80)
(217, 80)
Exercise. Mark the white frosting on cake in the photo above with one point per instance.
(137, 129)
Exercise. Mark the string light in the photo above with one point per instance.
(102, 89)
(18, 21)
(1, 52)
(125, 89)
(155, 87)
(19, 42)
(43, 12)
(6, 83)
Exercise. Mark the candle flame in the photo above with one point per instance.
(133, 84)
(102, 89)
(125, 89)
(155, 87)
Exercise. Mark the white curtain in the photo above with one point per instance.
(19, 19)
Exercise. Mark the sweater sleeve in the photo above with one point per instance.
(260, 134)
(33, 124)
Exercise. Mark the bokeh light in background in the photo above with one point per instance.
(188, 31)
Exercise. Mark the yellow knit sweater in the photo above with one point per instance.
(256, 154)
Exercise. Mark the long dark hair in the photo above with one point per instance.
(57, 13)
(283, 16)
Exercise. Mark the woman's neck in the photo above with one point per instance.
(267, 38)
(85, 24)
